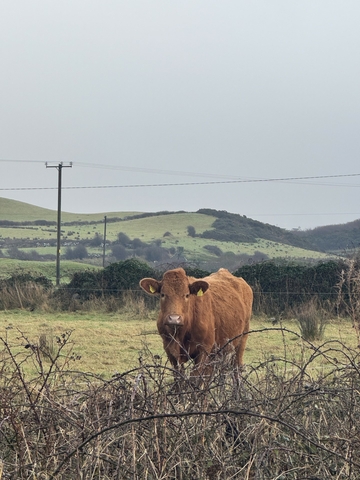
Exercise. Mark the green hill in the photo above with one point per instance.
(15, 211)
(333, 238)
(210, 238)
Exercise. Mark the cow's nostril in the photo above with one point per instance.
(174, 319)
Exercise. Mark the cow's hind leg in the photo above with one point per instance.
(239, 361)
(240, 349)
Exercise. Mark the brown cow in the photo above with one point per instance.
(199, 315)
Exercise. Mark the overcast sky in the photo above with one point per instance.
(216, 101)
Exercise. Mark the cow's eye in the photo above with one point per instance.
(162, 295)
(187, 295)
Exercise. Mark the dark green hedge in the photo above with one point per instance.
(18, 279)
(117, 277)
(113, 280)
(280, 286)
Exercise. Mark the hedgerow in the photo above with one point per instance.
(280, 287)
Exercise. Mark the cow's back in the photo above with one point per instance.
(231, 304)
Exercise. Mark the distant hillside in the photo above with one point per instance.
(15, 211)
(230, 227)
(206, 237)
(227, 227)
(333, 238)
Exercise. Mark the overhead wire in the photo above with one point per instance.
(220, 182)
(127, 168)
(225, 179)
(229, 178)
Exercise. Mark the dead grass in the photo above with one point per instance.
(106, 343)
(111, 342)
(276, 422)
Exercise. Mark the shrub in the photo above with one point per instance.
(23, 278)
(214, 250)
(195, 272)
(155, 253)
(191, 231)
(96, 241)
(24, 291)
(125, 275)
(311, 320)
(79, 252)
(123, 239)
(119, 252)
(137, 243)
(348, 298)
(113, 280)
(285, 286)
(14, 252)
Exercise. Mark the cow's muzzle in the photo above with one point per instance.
(174, 320)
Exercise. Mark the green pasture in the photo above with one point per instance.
(147, 229)
(150, 229)
(173, 226)
(194, 248)
(9, 266)
(153, 228)
(110, 343)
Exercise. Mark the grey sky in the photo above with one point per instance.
(179, 92)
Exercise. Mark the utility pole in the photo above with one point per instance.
(104, 241)
(59, 168)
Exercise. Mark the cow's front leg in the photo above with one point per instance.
(204, 364)
(175, 355)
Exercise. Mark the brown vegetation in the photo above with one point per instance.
(287, 418)
(280, 422)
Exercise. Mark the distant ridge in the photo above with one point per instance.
(334, 238)
(227, 227)
(16, 211)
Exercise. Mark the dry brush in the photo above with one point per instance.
(283, 419)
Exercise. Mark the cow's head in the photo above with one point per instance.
(176, 293)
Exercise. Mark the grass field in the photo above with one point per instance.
(147, 229)
(10, 266)
(110, 343)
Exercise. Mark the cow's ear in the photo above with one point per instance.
(198, 287)
(150, 285)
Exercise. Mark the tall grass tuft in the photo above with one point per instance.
(312, 321)
(29, 296)
(349, 292)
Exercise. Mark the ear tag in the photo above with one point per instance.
(200, 293)
(152, 289)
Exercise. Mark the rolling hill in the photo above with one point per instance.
(334, 238)
(204, 236)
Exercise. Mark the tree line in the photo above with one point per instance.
(279, 287)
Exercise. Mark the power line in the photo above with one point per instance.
(154, 170)
(231, 178)
(181, 184)
(132, 169)
(20, 161)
